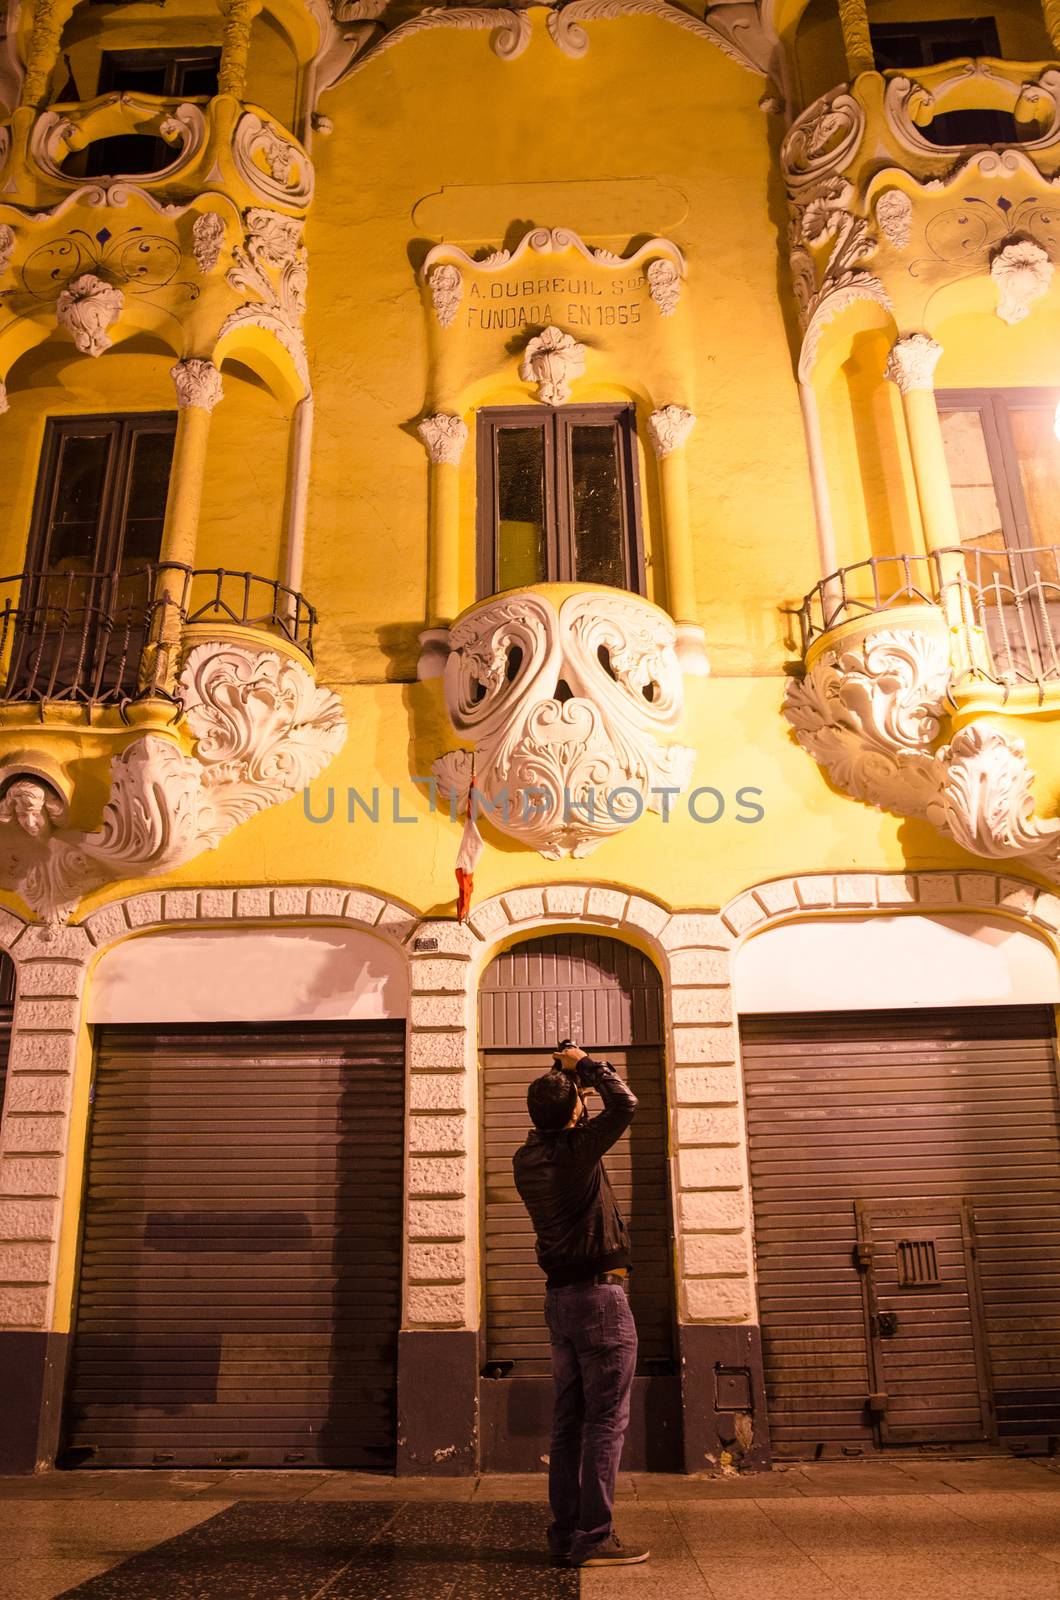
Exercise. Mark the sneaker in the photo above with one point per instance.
(611, 1553)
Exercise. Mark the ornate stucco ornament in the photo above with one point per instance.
(354, 32)
(87, 308)
(271, 164)
(447, 291)
(894, 214)
(552, 360)
(871, 716)
(207, 236)
(271, 264)
(565, 709)
(1023, 273)
(444, 437)
(49, 140)
(7, 246)
(908, 104)
(446, 267)
(264, 731)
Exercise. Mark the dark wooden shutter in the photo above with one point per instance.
(608, 997)
(897, 1108)
(7, 1008)
(240, 1278)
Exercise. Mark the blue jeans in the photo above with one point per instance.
(594, 1353)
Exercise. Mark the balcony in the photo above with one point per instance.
(171, 149)
(999, 609)
(903, 184)
(916, 667)
(144, 716)
(109, 639)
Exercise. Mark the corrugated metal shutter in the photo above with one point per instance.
(901, 1107)
(7, 1010)
(607, 996)
(240, 1276)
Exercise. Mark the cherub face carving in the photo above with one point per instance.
(564, 709)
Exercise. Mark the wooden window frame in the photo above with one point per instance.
(555, 423)
(173, 60)
(124, 430)
(993, 407)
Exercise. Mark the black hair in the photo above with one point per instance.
(550, 1101)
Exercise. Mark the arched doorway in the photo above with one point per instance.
(608, 996)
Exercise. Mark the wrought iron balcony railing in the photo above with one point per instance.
(107, 638)
(1004, 604)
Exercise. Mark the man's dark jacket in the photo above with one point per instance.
(580, 1230)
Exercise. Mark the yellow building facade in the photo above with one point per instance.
(632, 429)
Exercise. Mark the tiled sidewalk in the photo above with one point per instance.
(864, 1531)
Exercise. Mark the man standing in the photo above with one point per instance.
(583, 1247)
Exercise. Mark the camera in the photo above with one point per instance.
(567, 1044)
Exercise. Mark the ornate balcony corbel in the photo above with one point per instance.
(264, 730)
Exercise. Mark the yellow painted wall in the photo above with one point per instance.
(438, 139)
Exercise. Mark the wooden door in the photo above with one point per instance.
(925, 1321)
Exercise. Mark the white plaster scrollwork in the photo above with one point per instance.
(912, 361)
(272, 264)
(565, 710)
(829, 246)
(207, 236)
(284, 175)
(870, 715)
(736, 29)
(197, 382)
(554, 241)
(50, 137)
(894, 213)
(909, 104)
(86, 308)
(264, 731)
(986, 802)
(552, 360)
(7, 246)
(1023, 273)
(4, 402)
(669, 428)
(444, 438)
(447, 289)
(821, 142)
(664, 285)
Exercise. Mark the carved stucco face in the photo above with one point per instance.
(33, 807)
(564, 709)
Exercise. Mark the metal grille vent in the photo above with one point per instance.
(917, 1263)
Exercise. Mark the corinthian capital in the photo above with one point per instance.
(669, 427)
(444, 437)
(197, 382)
(912, 362)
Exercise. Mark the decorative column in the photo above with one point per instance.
(911, 365)
(238, 16)
(444, 437)
(1051, 12)
(43, 53)
(198, 386)
(668, 429)
(857, 42)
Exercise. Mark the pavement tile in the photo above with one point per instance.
(253, 1551)
(34, 1578)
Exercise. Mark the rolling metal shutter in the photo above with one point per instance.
(889, 1115)
(240, 1276)
(607, 996)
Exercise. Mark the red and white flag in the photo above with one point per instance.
(471, 846)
